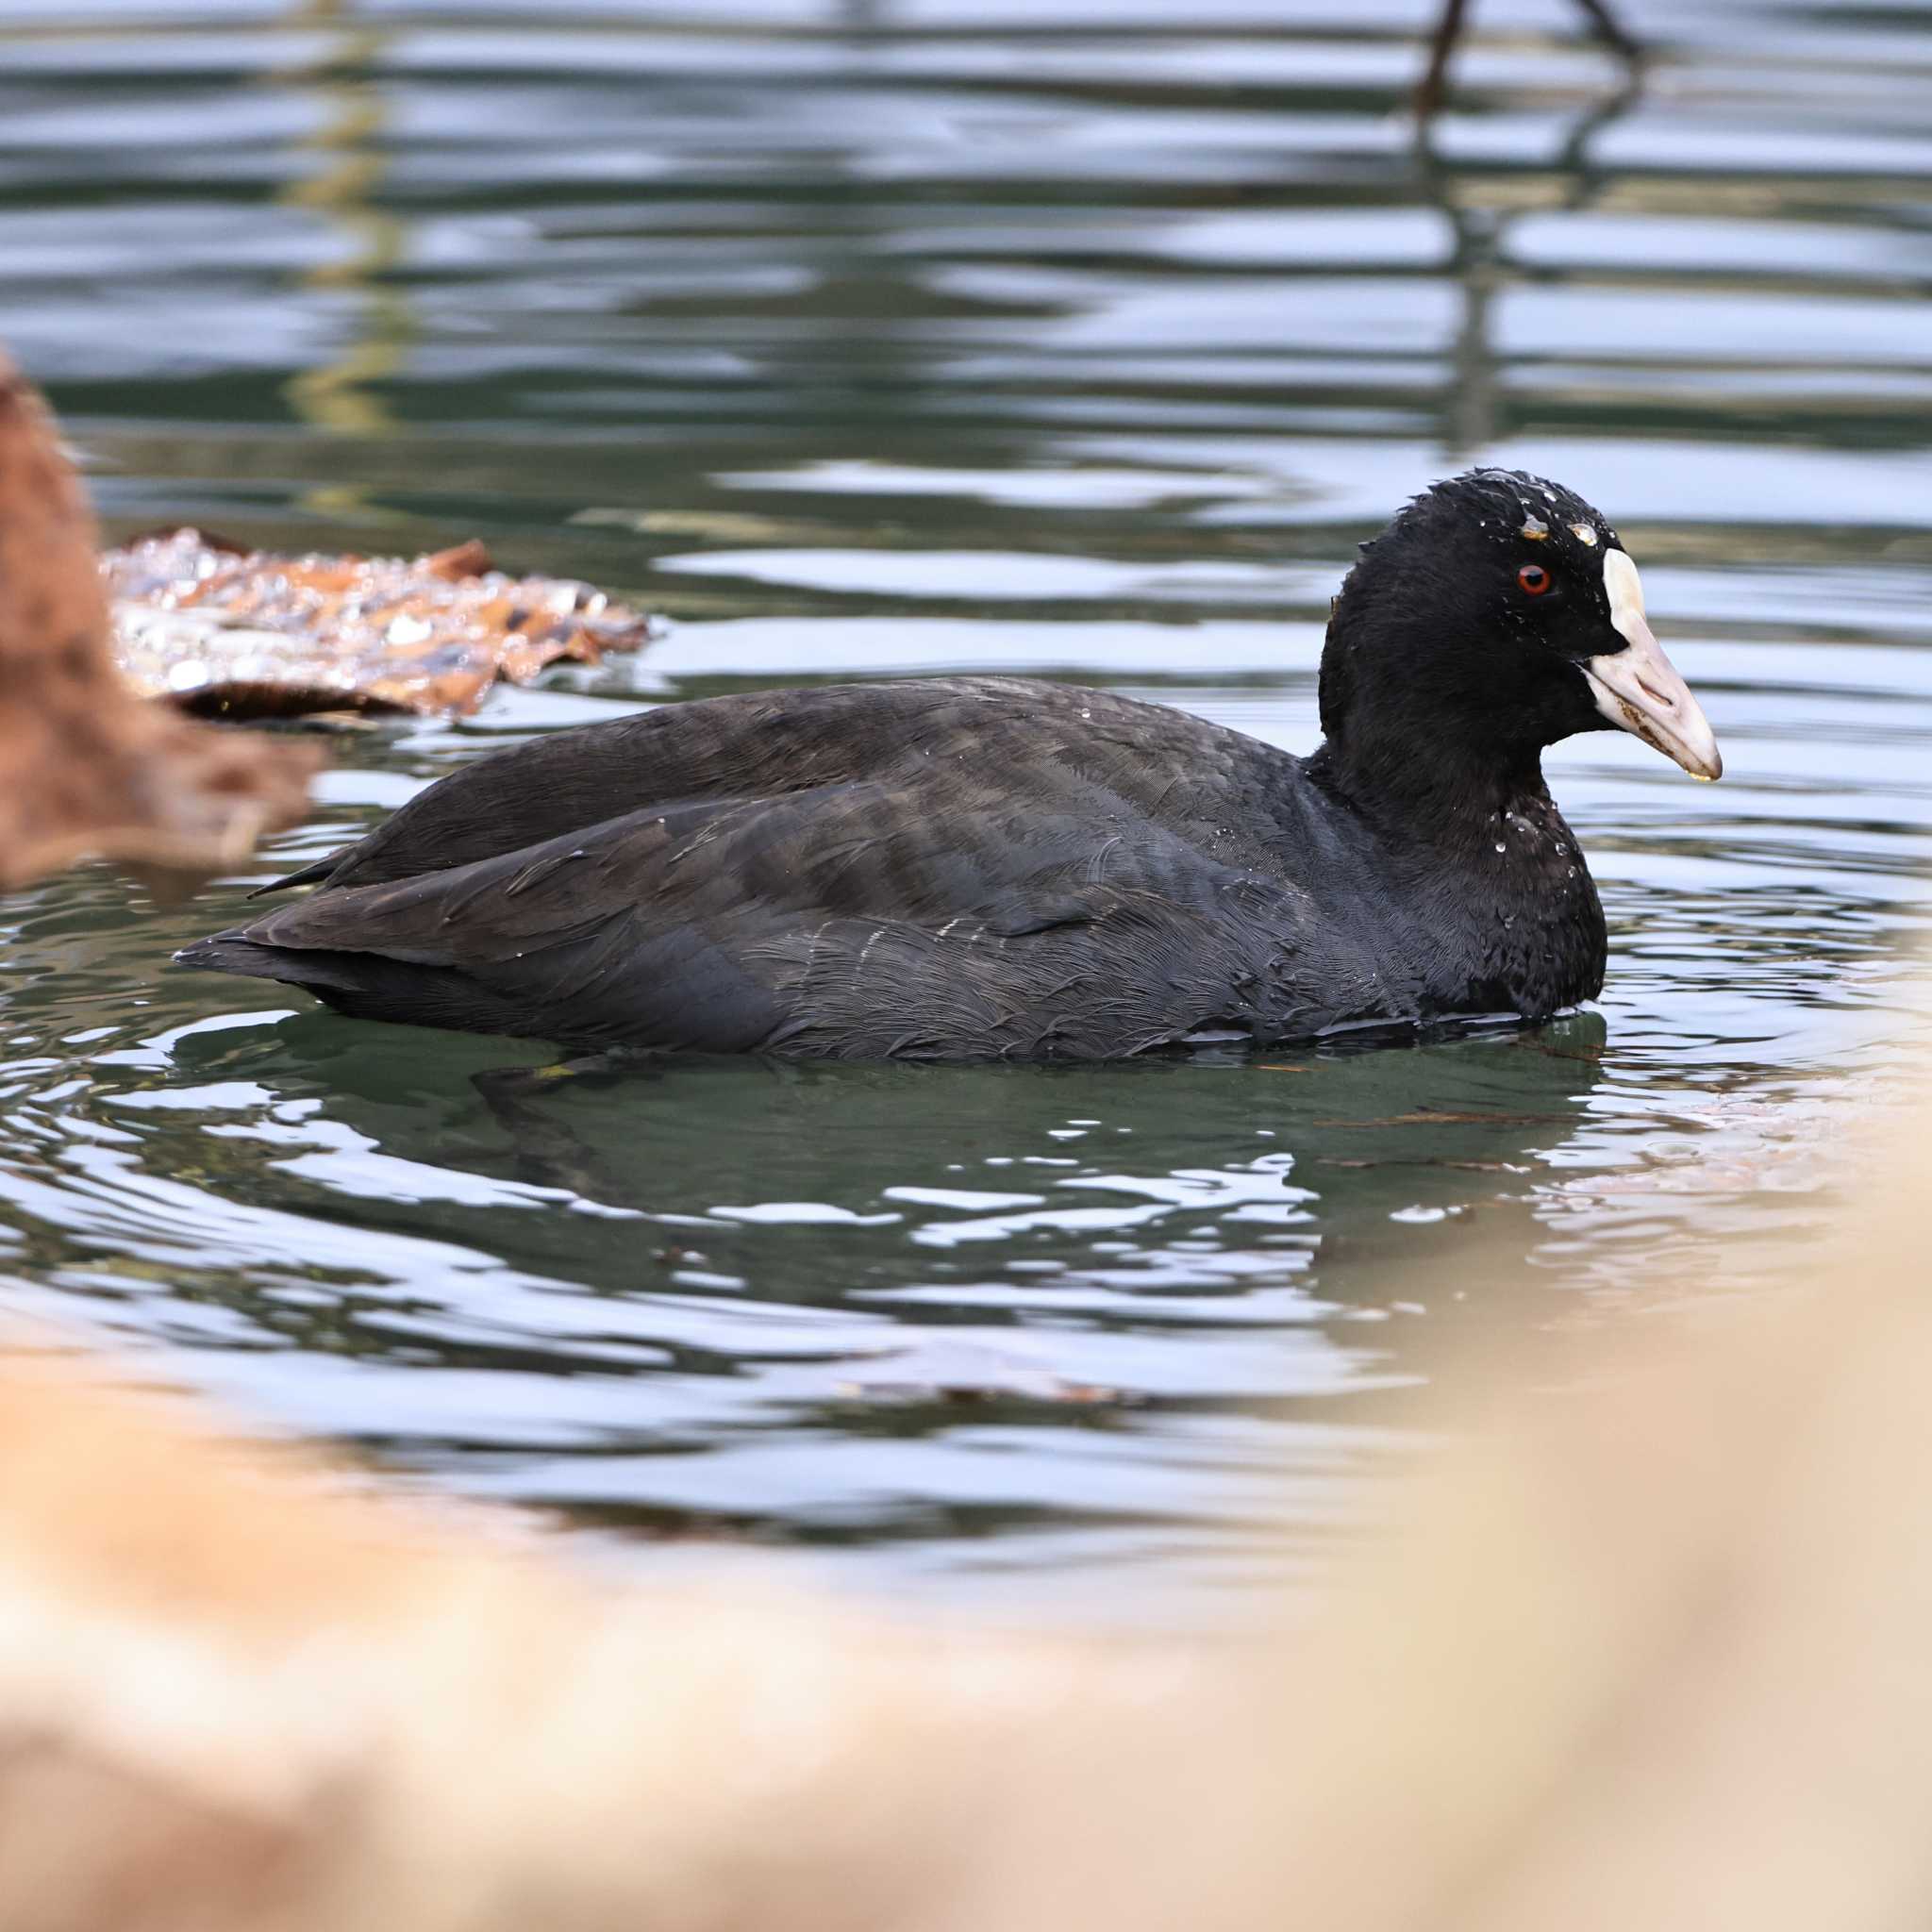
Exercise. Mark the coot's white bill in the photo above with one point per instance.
(1639, 689)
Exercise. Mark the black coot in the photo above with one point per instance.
(969, 867)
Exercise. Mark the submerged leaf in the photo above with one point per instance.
(234, 633)
(89, 768)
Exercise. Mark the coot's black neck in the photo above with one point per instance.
(1499, 907)
(1435, 795)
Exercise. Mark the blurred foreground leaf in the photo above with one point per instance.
(87, 767)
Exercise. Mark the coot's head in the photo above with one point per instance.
(1495, 615)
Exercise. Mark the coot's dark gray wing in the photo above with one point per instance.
(857, 920)
(947, 735)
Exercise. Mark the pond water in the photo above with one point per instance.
(1084, 340)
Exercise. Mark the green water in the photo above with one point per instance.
(892, 339)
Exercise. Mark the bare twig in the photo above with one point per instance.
(1429, 90)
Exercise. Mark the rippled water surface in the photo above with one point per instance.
(1085, 339)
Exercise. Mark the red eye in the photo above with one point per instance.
(1533, 580)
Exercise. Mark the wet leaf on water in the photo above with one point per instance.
(963, 1376)
(229, 632)
(91, 769)
(1431, 1160)
(1444, 1117)
(974, 1395)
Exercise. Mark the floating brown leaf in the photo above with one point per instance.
(234, 633)
(961, 1375)
(87, 767)
(1431, 1160)
(1446, 1117)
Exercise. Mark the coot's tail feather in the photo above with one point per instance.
(310, 875)
(235, 952)
(364, 985)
